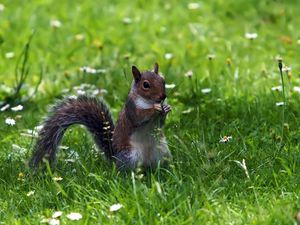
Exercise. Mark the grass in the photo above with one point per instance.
(206, 182)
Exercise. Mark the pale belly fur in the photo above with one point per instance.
(148, 146)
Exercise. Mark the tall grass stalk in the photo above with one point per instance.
(283, 96)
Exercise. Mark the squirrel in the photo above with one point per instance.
(137, 138)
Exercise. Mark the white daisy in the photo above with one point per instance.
(57, 214)
(297, 89)
(79, 37)
(225, 139)
(5, 107)
(95, 92)
(206, 90)
(279, 103)
(87, 69)
(189, 74)
(2, 7)
(9, 55)
(10, 121)
(51, 221)
(168, 56)
(55, 23)
(115, 207)
(211, 56)
(17, 108)
(54, 221)
(74, 216)
(19, 149)
(193, 6)
(286, 69)
(251, 36)
(80, 92)
(57, 178)
(276, 88)
(127, 20)
(38, 128)
(72, 97)
(170, 86)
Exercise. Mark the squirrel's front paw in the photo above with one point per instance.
(158, 107)
(166, 108)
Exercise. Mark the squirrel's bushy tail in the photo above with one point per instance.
(86, 111)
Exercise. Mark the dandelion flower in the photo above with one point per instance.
(251, 36)
(279, 103)
(205, 90)
(21, 176)
(229, 61)
(10, 121)
(57, 178)
(189, 74)
(30, 193)
(17, 108)
(170, 86)
(115, 207)
(57, 214)
(2, 7)
(168, 56)
(55, 23)
(9, 55)
(5, 107)
(225, 139)
(74, 216)
(193, 6)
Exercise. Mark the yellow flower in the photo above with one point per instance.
(228, 61)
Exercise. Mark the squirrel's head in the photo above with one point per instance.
(149, 85)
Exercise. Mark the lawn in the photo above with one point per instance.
(220, 61)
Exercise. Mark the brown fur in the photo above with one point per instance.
(86, 111)
(116, 141)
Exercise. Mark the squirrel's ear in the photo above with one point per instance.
(156, 68)
(136, 74)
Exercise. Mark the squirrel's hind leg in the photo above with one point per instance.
(124, 160)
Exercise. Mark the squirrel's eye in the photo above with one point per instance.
(146, 85)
